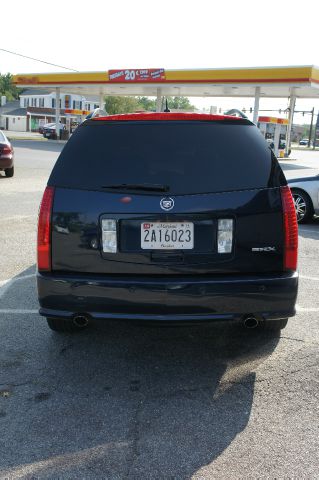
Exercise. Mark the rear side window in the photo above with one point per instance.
(189, 157)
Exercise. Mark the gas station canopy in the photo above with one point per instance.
(303, 81)
(293, 82)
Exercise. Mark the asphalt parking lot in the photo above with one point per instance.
(128, 401)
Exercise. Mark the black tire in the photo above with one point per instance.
(9, 172)
(275, 325)
(303, 205)
(61, 325)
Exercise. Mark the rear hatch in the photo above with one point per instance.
(167, 198)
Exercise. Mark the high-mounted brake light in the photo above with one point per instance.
(149, 116)
(44, 230)
(290, 230)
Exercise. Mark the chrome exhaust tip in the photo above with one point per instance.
(250, 322)
(81, 321)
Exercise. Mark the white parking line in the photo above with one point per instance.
(306, 277)
(303, 309)
(17, 310)
(8, 311)
(6, 284)
(310, 231)
(15, 217)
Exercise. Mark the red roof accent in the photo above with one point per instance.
(166, 116)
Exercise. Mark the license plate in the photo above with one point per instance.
(167, 236)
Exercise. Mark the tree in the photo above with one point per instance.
(147, 103)
(180, 103)
(115, 105)
(7, 88)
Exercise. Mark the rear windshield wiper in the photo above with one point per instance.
(149, 187)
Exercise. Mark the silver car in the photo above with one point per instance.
(305, 192)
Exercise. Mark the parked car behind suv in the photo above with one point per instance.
(49, 130)
(6, 156)
(305, 192)
(167, 217)
(43, 127)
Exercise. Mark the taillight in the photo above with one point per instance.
(6, 150)
(44, 230)
(290, 230)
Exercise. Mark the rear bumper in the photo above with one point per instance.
(192, 299)
(6, 161)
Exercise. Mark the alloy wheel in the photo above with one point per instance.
(300, 206)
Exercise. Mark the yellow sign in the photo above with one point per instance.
(72, 111)
(263, 75)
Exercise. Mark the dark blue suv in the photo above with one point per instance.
(167, 217)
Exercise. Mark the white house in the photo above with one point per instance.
(37, 107)
(46, 99)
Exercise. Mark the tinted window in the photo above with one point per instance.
(189, 157)
(2, 137)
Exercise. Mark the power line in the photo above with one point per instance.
(37, 60)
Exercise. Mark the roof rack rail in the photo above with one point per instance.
(236, 113)
(98, 112)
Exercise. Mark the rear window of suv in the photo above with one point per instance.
(190, 157)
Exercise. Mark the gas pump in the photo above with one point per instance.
(274, 131)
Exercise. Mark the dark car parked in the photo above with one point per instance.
(167, 217)
(6, 156)
(49, 130)
(43, 127)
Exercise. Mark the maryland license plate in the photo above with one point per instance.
(167, 236)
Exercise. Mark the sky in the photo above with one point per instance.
(171, 34)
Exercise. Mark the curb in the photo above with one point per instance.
(29, 138)
(283, 159)
(38, 139)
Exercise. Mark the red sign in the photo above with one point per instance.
(26, 80)
(67, 101)
(137, 75)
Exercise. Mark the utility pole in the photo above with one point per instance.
(291, 109)
(57, 112)
(316, 130)
(159, 100)
(311, 124)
